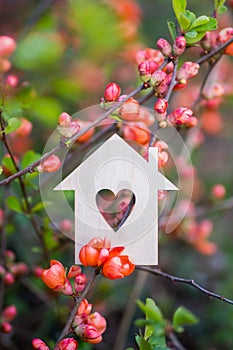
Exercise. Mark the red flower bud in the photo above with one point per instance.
(218, 191)
(164, 46)
(161, 106)
(38, 344)
(9, 313)
(50, 165)
(179, 45)
(8, 279)
(67, 344)
(80, 282)
(130, 110)
(12, 80)
(6, 327)
(112, 92)
(7, 46)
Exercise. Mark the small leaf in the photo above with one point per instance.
(183, 317)
(172, 29)
(8, 164)
(1, 169)
(186, 19)
(179, 7)
(29, 158)
(152, 311)
(116, 117)
(219, 4)
(199, 21)
(211, 25)
(12, 125)
(143, 344)
(14, 204)
(191, 41)
(222, 10)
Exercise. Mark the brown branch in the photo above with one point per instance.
(214, 52)
(75, 308)
(24, 192)
(190, 282)
(69, 141)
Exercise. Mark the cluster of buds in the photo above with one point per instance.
(12, 269)
(148, 60)
(8, 315)
(110, 262)
(88, 326)
(223, 36)
(64, 344)
(169, 50)
(68, 127)
(7, 47)
(50, 164)
(56, 278)
(187, 71)
(182, 116)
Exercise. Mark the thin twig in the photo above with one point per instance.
(190, 282)
(69, 141)
(219, 49)
(75, 308)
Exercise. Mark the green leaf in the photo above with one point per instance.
(1, 169)
(183, 317)
(152, 311)
(47, 52)
(198, 37)
(116, 117)
(218, 4)
(172, 29)
(142, 343)
(199, 21)
(12, 125)
(14, 204)
(29, 158)
(8, 164)
(179, 7)
(211, 25)
(186, 19)
(222, 10)
(192, 34)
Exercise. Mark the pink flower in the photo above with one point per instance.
(117, 265)
(95, 252)
(55, 278)
(50, 165)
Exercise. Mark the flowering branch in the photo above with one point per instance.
(68, 142)
(219, 49)
(75, 308)
(190, 282)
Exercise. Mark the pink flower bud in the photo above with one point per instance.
(164, 46)
(74, 271)
(7, 46)
(38, 271)
(218, 191)
(5, 65)
(12, 80)
(161, 106)
(8, 279)
(112, 92)
(50, 165)
(147, 68)
(188, 70)
(9, 313)
(66, 226)
(130, 110)
(9, 255)
(67, 344)
(157, 78)
(208, 41)
(38, 344)
(224, 35)
(64, 119)
(180, 116)
(6, 327)
(98, 321)
(179, 45)
(80, 282)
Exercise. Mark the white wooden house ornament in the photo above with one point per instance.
(115, 166)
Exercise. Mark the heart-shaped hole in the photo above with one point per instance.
(115, 209)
